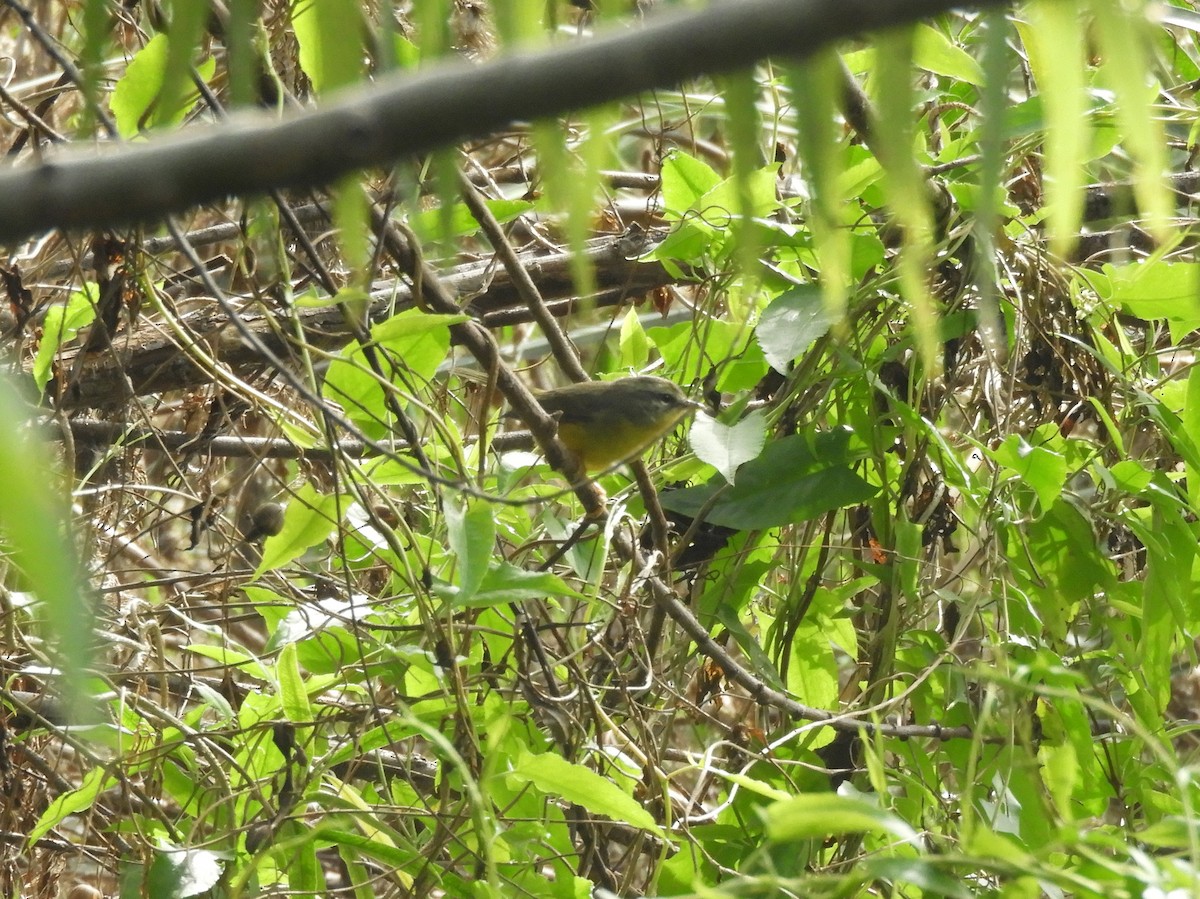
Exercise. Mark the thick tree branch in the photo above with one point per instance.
(408, 113)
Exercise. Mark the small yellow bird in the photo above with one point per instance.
(606, 422)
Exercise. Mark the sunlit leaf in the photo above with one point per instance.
(308, 521)
(727, 447)
(470, 531)
(1051, 35)
(824, 814)
(329, 33)
(554, 775)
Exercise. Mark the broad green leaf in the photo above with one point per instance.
(1170, 833)
(1069, 566)
(722, 340)
(296, 844)
(309, 519)
(1190, 419)
(986, 842)
(139, 86)
(790, 324)
(1130, 476)
(412, 343)
(570, 183)
(753, 196)
(137, 101)
(813, 668)
(352, 219)
(795, 479)
(555, 776)
(329, 33)
(399, 860)
(1152, 291)
(993, 103)
(471, 533)
(819, 815)
(934, 52)
(180, 873)
(96, 19)
(727, 447)
(1043, 470)
(745, 128)
(685, 180)
(231, 658)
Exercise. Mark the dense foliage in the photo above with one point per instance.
(907, 609)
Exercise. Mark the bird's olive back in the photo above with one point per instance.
(642, 401)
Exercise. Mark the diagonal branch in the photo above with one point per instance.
(408, 113)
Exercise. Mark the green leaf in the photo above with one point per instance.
(471, 533)
(728, 447)
(505, 583)
(813, 668)
(413, 343)
(293, 694)
(905, 184)
(182, 873)
(1124, 40)
(819, 815)
(685, 180)
(186, 29)
(460, 222)
(386, 853)
(309, 519)
(1050, 34)
(795, 479)
(298, 850)
(1152, 291)
(744, 123)
(933, 52)
(790, 325)
(329, 33)
(352, 221)
(555, 776)
(722, 340)
(62, 323)
(1190, 419)
(95, 782)
(1069, 565)
(1170, 833)
(1041, 469)
(139, 86)
(138, 101)
(818, 81)
(634, 344)
(34, 521)
(926, 875)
